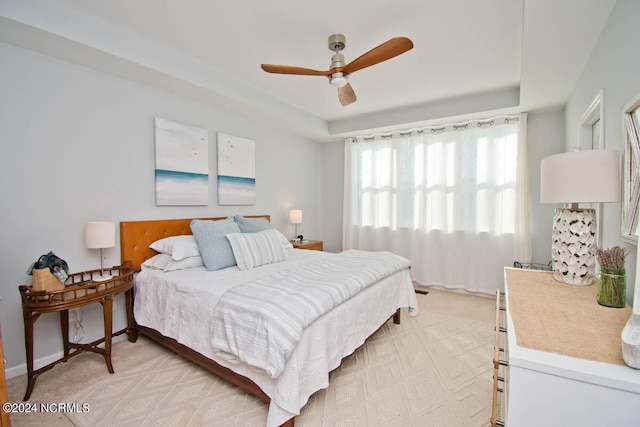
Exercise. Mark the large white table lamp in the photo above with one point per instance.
(590, 176)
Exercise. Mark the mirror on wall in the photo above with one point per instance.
(631, 187)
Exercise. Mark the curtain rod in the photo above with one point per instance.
(438, 128)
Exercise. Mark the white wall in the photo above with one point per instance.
(332, 194)
(78, 145)
(545, 137)
(614, 67)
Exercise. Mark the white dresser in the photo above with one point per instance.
(554, 333)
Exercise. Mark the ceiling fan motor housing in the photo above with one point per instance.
(336, 44)
(337, 60)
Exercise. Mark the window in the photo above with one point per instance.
(463, 180)
(453, 200)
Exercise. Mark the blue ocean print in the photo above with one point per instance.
(235, 190)
(181, 188)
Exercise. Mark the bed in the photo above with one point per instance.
(174, 309)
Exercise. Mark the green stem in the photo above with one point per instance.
(612, 287)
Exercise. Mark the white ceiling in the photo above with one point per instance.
(490, 56)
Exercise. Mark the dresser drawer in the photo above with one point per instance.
(500, 365)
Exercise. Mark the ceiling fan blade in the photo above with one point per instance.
(387, 50)
(346, 95)
(286, 69)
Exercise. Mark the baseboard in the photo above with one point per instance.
(16, 371)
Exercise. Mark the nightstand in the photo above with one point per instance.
(312, 245)
(80, 290)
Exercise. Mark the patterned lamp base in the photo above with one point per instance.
(573, 246)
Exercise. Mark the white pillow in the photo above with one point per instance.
(284, 241)
(179, 247)
(164, 262)
(254, 249)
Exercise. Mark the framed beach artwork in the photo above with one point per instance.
(236, 170)
(182, 164)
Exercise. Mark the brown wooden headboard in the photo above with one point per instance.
(136, 236)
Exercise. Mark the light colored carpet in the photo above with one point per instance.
(432, 370)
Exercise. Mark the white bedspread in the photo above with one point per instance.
(261, 322)
(166, 303)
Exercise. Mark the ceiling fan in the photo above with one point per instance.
(339, 71)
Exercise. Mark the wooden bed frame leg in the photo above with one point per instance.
(396, 317)
(289, 423)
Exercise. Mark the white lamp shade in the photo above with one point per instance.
(338, 80)
(100, 234)
(295, 216)
(589, 176)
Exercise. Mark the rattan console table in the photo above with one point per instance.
(80, 290)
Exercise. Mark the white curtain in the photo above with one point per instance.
(452, 199)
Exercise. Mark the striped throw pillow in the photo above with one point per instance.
(254, 249)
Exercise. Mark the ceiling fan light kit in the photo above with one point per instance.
(338, 80)
(339, 71)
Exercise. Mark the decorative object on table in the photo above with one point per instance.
(612, 280)
(631, 339)
(236, 170)
(182, 164)
(533, 266)
(295, 217)
(100, 235)
(631, 331)
(49, 272)
(590, 176)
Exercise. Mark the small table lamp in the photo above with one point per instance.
(100, 235)
(590, 176)
(295, 217)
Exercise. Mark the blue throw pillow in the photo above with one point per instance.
(214, 247)
(252, 225)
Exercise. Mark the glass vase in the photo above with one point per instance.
(612, 287)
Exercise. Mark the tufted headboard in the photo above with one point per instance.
(136, 236)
